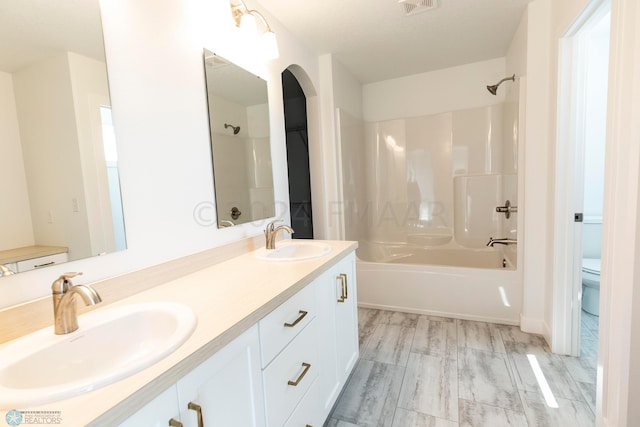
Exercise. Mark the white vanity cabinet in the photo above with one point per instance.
(346, 316)
(286, 371)
(227, 387)
(338, 337)
(288, 337)
(225, 390)
(158, 412)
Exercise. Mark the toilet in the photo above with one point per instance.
(591, 253)
(591, 285)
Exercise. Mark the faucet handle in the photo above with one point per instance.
(62, 283)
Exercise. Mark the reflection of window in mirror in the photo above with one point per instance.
(113, 177)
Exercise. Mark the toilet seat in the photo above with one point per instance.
(591, 265)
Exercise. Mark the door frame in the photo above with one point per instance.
(569, 184)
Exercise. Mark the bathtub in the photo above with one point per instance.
(476, 284)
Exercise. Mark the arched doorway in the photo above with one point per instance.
(297, 139)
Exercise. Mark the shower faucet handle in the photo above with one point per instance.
(507, 209)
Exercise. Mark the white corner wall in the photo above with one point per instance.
(49, 136)
(439, 91)
(15, 222)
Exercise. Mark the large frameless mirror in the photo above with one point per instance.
(61, 194)
(239, 127)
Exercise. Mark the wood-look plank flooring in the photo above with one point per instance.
(427, 371)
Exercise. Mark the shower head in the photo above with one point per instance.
(494, 88)
(236, 129)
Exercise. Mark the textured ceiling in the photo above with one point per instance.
(31, 30)
(375, 41)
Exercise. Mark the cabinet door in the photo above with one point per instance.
(227, 387)
(338, 329)
(346, 317)
(158, 412)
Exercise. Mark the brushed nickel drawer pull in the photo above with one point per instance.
(174, 423)
(295, 322)
(346, 286)
(198, 409)
(44, 264)
(342, 286)
(304, 372)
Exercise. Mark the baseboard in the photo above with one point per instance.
(439, 314)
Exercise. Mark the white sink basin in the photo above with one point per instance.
(294, 250)
(109, 345)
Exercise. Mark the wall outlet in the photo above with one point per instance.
(50, 216)
(75, 207)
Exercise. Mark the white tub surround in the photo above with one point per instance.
(228, 299)
(488, 292)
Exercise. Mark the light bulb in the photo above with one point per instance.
(248, 26)
(269, 45)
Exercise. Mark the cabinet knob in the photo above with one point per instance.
(174, 423)
(195, 407)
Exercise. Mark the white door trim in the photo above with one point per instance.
(569, 182)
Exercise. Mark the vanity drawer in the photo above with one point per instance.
(280, 326)
(289, 376)
(308, 411)
(43, 261)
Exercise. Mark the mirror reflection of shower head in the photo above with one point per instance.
(494, 88)
(236, 129)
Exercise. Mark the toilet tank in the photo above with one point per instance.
(591, 237)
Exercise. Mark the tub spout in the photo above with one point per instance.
(505, 241)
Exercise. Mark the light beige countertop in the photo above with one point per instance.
(227, 298)
(30, 252)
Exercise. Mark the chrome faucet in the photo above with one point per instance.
(493, 241)
(271, 232)
(5, 271)
(65, 318)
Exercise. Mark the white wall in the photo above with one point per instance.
(595, 121)
(439, 91)
(537, 170)
(15, 222)
(156, 79)
(90, 91)
(50, 146)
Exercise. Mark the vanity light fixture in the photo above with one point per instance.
(245, 19)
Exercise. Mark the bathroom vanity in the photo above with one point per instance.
(274, 344)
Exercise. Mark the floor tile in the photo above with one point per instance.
(517, 341)
(389, 344)
(430, 386)
(408, 320)
(473, 414)
(589, 395)
(371, 395)
(334, 422)
(368, 319)
(486, 378)
(590, 321)
(418, 370)
(436, 338)
(581, 369)
(554, 370)
(589, 349)
(480, 336)
(569, 413)
(404, 418)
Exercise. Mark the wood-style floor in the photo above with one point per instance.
(417, 371)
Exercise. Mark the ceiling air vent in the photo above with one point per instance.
(413, 7)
